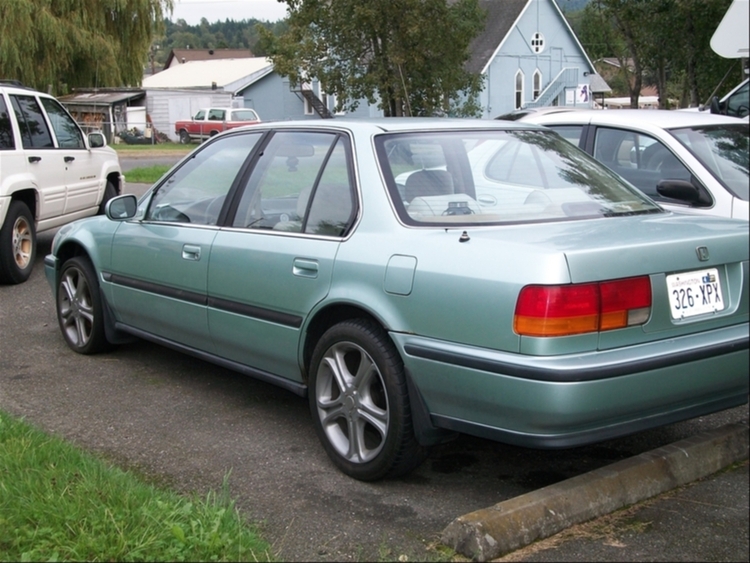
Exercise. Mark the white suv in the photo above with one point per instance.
(50, 174)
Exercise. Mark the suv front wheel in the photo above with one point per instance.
(17, 244)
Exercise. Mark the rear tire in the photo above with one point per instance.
(360, 403)
(17, 244)
(80, 312)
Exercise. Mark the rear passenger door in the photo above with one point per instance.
(44, 161)
(274, 261)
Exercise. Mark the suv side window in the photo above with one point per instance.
(7, 142)
(67, 132)
(34, 130)
(196, 191)
(216, 115)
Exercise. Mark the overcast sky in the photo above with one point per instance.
(219, 10)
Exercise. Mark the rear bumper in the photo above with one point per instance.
(565, 401)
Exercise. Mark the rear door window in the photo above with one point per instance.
(35, 132)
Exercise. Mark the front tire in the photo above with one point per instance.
(184, 137)
(360, 404)
(109, 192)
(17, 244)
(80, 313)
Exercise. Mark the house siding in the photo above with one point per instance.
(561, 51)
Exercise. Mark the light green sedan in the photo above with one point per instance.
(418, 278)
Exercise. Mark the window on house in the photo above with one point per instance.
(537, 84)
(519, 89)
(537, 42)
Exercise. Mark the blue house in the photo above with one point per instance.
(528, 57)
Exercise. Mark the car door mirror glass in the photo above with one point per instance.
(122, 207)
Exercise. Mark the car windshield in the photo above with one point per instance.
(724, 149)
(499, 176)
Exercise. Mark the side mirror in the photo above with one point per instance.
(121, 208)
(715, 107)
(97, 140)
(683, 190)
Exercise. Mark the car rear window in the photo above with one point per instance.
(441, 177)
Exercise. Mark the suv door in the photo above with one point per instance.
(45, 163)
(83, 176)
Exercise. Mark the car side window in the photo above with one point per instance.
(7, 142)
(216, 115)
(200, 115)
(641, 159)
(68, 134)
(196, 191)
(301, 184)
(35, 133)
(571, 133)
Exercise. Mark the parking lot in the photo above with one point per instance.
(188, 424)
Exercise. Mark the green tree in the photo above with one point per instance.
(79, 43)
(406, 55)
(665, 43)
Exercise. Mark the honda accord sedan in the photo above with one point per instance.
(420, 278)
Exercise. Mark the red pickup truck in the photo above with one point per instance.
(211, 121)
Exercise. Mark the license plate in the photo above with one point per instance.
(695, 293)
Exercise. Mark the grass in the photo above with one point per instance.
(58, 503)
(172, 148)
(146, 174)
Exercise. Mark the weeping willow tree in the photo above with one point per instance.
(77, 43)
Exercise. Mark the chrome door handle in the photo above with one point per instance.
(191, 252)
(305, 268)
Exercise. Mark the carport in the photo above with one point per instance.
(106, 109)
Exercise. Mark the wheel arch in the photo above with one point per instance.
(72, 249)
(324, 319)
(334, 313)
(29, 196)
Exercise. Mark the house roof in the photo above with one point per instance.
(502, 15)
(187, 55)
(597, 84)
(227, 74)
(101, 97)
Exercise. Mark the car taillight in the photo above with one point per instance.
(562, 310)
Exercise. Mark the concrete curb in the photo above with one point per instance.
(492, 532)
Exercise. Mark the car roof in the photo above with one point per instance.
(665, 119)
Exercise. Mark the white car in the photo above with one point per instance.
(50, 174)
(687, 161)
